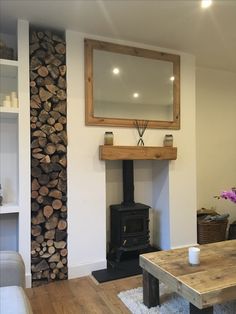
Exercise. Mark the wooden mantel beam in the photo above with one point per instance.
(110, 152)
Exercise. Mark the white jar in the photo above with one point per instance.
(168, 140)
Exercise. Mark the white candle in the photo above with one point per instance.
(13, 95)
(14, 102)
(194, 256)
(6, 103)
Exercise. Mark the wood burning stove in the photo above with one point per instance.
(129, 220)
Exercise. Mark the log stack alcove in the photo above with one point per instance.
(48, 156)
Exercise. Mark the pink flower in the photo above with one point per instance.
(229, 195)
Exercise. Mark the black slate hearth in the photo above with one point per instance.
(128, 266)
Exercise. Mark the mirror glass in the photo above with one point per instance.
(124, 84)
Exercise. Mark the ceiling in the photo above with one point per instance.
(208, 34)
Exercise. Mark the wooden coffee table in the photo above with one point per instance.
(212, 282)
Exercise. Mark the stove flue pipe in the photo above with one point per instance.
(128, 182)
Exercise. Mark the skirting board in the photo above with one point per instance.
(85, 269)
(28, 280)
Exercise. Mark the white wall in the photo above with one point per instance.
(181, 182)
(216, 142)
(87, 174)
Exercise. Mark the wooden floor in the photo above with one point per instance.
(82, 295)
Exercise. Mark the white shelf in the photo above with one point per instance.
(8, 81)
(9, 209)
(13, 63)
(9, 113)
(15, 147)
(8, 68)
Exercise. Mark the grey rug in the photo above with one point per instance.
(171, 303)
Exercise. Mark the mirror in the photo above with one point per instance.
(124, 84)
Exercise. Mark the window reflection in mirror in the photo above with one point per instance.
(124, 84)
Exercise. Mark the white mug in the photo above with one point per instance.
(194, 256)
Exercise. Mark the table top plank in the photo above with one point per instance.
(213, 281)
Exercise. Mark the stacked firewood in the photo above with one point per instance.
(48, 156)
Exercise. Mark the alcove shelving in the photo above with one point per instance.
(9, 144)
(8, 79)
(15, 144)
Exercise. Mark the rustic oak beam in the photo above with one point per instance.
(110, 152)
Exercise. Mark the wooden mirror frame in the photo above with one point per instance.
(90, 119)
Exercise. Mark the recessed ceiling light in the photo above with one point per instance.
(206, 4)
(116, 71)
(172, 78)
(135, 95)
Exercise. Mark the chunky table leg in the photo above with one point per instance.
(150, 290)
(196, 310)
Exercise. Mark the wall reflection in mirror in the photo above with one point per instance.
(124, 84)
